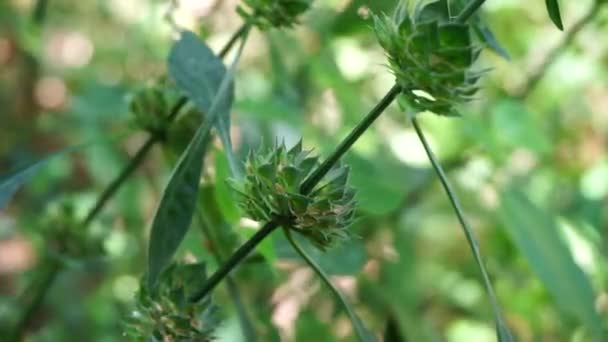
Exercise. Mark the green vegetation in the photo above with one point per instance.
(152, 150)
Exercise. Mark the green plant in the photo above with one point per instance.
(432, 54)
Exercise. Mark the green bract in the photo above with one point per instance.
(270, 190)
(165, 312)
(430, 56)
(273, 13)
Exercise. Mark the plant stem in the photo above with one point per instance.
(552, 56)
(40, 11)
(468, 11)
(50, 275)
(34, 296)
(241, 31)
(348, 142)
(234, 260)
(357, 325)
(470, 235)
(113, 187)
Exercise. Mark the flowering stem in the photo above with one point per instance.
(234, 260)
(362, 334)
(348, 142)
(306, 187)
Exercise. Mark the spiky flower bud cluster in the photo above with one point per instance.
(271, 190)
(430, 55)
(152, 108)
(165, 312)
(266, 14)
(65, 237)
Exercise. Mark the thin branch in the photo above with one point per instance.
(357, 325)
(468, 11)
(350, 140)
(33, 297)
(234, 260)
(552, 56)
(468, 231)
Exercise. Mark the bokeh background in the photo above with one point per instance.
(528, 158)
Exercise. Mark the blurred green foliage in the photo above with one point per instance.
(531, 168)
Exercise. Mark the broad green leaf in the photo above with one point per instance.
(10, 183)
(554, 13)
(198, 72)
(362, 333)
(178, 202)
(536, 235)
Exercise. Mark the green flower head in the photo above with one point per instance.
(165, 312)
(430, 55)
(271, 190)
(152, 108)
(273, 13)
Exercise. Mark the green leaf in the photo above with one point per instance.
(198, 71)
(177, 205)
(487, 36)
(536, 235)
(554, 13)
(361, 331)
(10, 183)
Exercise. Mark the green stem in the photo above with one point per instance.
(40, 11)
(113, 187)
(470, 235)
(34, 296)
(552, 56)
(468, 11)
(349, 141)
(233, 290)
(234, 260)
(356, 322)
